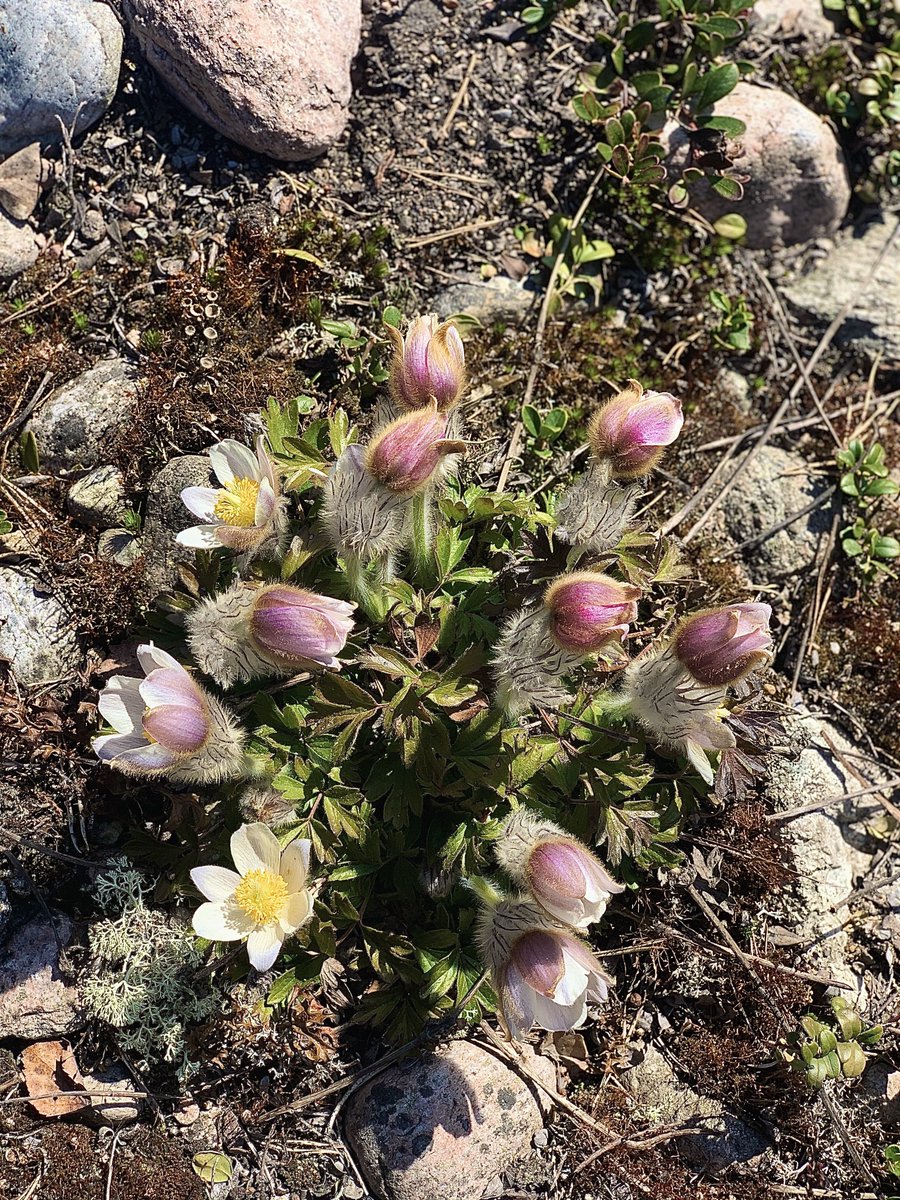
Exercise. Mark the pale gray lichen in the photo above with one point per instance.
(144, 980)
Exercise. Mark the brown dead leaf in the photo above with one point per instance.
(50, 1067)
(427, 633)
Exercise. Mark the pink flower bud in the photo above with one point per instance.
(588, 610)
(632, 430)
(724, 645)
(429, 364)
(405, 455)
(293, 623)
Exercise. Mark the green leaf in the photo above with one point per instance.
(885, 547)
(392, 316)
(731, 226)
(531, 420)
(851, 547)
(212, 1166)
(716, 84)
(728, 187)
(306, 257)
(28, 450)
(730, 126)
(349, 871)
(848, 484)
(615, 134)
(281, 988)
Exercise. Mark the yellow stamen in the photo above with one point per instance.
(236, 504)
(261, 895)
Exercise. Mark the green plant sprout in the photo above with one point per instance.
(735, 323)
(866, 481)
(544, 428)
(818, 1053)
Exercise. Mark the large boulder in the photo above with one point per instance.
(442, 1126)
(848, 272)
(798, 189)
(273, 76)
(35, 632)
(167, 516)
(73, 425)
(59, 61)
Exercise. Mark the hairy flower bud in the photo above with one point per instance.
(429, 364)
(362, 519)
(541, 973)
(405, 456)
(633, 429)
(564, 877)
(251, 631)
(167, 724)
(724, 645)
(587, 610)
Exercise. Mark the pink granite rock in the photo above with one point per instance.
(799, 188)
(273, 75)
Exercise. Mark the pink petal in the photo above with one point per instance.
(181, 730)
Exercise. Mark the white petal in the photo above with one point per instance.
(201, 501)
(230, 460)
(150, 657)
(266, 466)
(221, 922)
(121, 705)
(263, 946)
(296, 911)
(199, 537)
(151, 756)
(556, 1017)
(108, 745)
(573, 983)
(215, 883)
(255, 848)
(295, 863)
(697, 757)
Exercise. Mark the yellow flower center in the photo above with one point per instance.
(236, 504)
(261, 895)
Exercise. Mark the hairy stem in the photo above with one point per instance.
(422, 541)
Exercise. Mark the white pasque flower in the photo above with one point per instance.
(246, 510)
(264, 901)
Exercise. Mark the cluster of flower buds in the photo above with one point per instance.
(247, 513)
(541, 971)
(627, 436)
(582, 614)
(264, 901)
(676, 690)
(370, 493)
(252, 631)
(168, 725)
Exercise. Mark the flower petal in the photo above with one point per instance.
(170, 685)
(221, 921)
(201, 501)
(181, 730)
(152, 658)
(255, 848)
(266, 501)
(558, 1017)
(266, 466)
(109, 745)
(121, 705)
(231, 460)
(574, 981)
(296, 911)
(264, 946)
(200, 537)
(149, 757)
(295, 863)
(215, 883)
(515, 1002)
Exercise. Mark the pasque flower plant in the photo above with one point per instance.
(429, 364)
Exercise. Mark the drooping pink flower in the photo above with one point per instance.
(405, 456)
(632, 430)
(293, 623)
(587, 610)
(724, 645)
(541, 973)
(563, 876)
(167, 724)
(429, 364)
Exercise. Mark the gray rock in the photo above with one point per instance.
(118, 1108)
(73, 426)
(791, 19)
(18, 249)
(20, 182)
(734, 388)
(441, 1126)
(35, 1000)
(879, 1090)
(58, 59)
(119, 546)
(774, 486)
(98, 497)
(166, 516)
(847, 272)
(500, 299)
(35, 632)
(274, 77)
(828, 847)
(799, 187)
(722, 1139)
